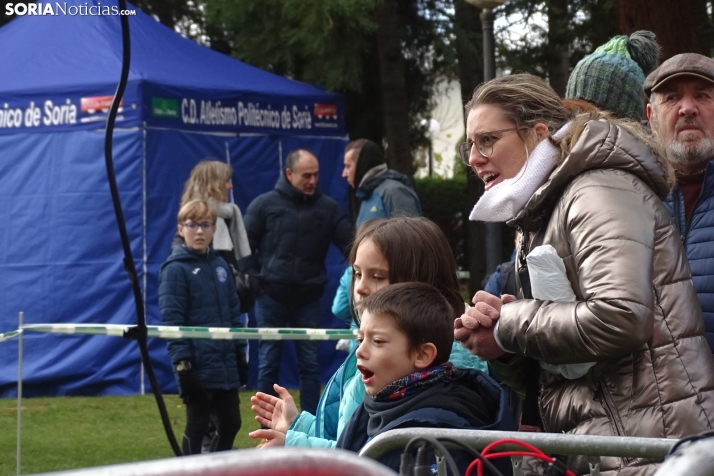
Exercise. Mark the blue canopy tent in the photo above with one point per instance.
(61, 259)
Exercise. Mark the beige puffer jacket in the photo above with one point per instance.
(637, 314)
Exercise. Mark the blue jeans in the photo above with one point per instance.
(270, 312)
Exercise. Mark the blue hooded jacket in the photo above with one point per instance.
(342, 395)
(698, 240)
(198, 290)
(386, 194)
(476, 402)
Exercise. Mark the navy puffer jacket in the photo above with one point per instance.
(290, 234)
(698, 239)
(198, 290)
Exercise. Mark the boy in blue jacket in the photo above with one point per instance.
(196, 288)
(405, 337)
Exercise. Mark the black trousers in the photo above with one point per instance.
(226, 409)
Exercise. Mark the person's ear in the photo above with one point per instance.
(289, 175)
(178, 228)
(542, 131)
(649, 112)
(425, 355)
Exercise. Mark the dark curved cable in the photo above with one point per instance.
(476, 454)
(437, 445)
(139, 332)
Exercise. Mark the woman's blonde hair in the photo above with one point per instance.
(527, 100)
(207, 181)
(633, 127)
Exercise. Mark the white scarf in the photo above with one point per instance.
(506, 199)
(236, 238)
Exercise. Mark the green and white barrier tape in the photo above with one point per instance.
(173, 332)
(10, 335)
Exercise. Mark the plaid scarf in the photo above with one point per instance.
(415, 382)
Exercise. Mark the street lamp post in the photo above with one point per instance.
(431, 128)
(493, 238)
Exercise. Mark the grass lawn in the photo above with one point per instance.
(77, 432)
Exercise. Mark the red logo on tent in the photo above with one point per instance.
(325, 111)
(98, 103)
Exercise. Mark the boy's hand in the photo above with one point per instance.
(191, 389)
(275, 413)
(242, 368)
(273, 438)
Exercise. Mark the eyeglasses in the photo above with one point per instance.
(484, 144)
(193, 226)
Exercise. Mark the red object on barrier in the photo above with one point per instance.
(532, 452)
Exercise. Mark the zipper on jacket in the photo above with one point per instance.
(609, 405)
(295, 253)
(611, 410)
(681, 203)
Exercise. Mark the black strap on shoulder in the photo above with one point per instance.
(531, 408)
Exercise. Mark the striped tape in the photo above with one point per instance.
(173, 332)
(11, 334)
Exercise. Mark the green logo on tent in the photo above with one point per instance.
(162, 107)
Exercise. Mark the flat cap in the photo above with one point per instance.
(685, 64)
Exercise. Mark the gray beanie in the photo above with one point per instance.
(611, 77)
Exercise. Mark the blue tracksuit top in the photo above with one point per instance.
(698, 240)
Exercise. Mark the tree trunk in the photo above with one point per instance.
(674, 24)
(558, 42)
(394, 96)
(705, 26)
(469, 54)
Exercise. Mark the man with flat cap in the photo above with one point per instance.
(681, 112)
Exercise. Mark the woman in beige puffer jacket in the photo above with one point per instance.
(636, 315)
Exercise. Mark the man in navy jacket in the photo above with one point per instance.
(290, 230)
(681, 112)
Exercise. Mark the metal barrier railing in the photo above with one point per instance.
(553, 443)
(254, 462)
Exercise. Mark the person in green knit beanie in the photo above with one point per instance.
(611, 77)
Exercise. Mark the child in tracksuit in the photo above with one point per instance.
(405, 337)
(196, 288)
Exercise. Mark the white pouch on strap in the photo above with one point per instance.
(549, 282)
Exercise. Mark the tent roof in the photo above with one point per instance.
(69, 58)
(86, 50)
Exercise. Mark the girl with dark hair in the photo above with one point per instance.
(385, 252)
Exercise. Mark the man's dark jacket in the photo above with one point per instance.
(698, 239)
(197, 289)
(290, 234)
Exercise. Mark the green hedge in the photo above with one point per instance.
(444, 201)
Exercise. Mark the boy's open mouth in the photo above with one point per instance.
(367, 374)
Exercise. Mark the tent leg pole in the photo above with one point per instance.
(19, 390)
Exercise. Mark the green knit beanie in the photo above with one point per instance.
(611, 77)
